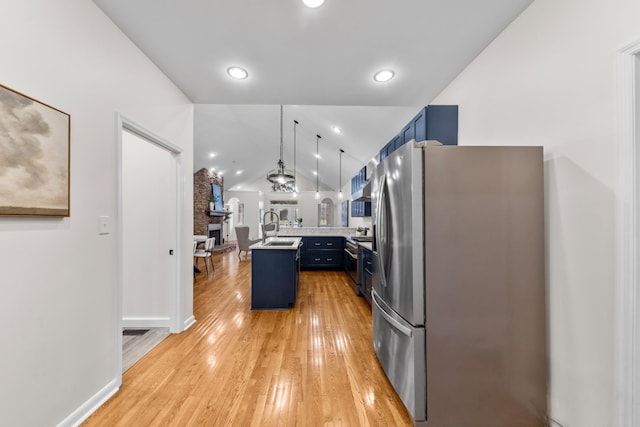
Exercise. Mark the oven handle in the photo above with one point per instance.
(351, 254)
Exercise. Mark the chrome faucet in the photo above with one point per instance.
(271, 226)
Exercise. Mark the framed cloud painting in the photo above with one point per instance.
(34, 157)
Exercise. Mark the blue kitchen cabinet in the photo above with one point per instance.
(322, 252)
(359, 180)
(433, 122)
(360, 208)
(408, 133)
(274, 278)
(389, 147)
(366, 273)
(395, 142)
(419, 124)
(356, 209)
(441, 124)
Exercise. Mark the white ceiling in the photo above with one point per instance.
(319, 63)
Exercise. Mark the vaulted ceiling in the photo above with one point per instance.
(318, 62)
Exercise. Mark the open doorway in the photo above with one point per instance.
(148, 218)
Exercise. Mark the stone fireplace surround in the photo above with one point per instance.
(215, 230)
(202, 181)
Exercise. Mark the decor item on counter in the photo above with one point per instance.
(317, 169)
(359, 231)
(281, 179)
(34, 157)
(340, 179)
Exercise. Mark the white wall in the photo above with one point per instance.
(549, 79)
(251, 211)
(58, 276)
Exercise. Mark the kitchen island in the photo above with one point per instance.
(275, 267)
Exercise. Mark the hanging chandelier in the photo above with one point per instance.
(281, 178)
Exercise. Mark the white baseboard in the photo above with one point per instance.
(90, 406)
(188, 323)
(146, 322)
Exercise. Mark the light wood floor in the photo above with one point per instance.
(136, 346)
(312, 365)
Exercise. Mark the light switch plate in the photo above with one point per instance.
(105, 225)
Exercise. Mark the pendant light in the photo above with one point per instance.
(295, 184)
(280, 178)
(317, 171)
(340, 180)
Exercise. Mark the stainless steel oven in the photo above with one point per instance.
(351, 267)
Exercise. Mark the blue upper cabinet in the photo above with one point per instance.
(390, 147)
(394, 143)
(441, 124)
(419, 124)
(434, 122)
(408, 132)
(358, 181)
(359, 208)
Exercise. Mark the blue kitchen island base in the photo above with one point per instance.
(274, 278)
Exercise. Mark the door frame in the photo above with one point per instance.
(124, 123)
(627, 326)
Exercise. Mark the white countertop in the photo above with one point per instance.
(266, 245)
(367, 245)
(317, 231)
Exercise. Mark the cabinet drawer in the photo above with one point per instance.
(324, 259)
(311, 243)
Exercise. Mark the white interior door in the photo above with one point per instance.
(149, 232)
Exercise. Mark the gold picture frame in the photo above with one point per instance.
(35, 143)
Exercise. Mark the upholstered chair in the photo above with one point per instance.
(244, 241)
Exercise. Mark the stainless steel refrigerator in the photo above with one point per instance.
(459, 317)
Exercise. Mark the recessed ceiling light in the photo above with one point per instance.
(212, 169)
(238, 172)
(237, 73)
(212, 155)
(313, 3)
(383, 76)
(337, 130)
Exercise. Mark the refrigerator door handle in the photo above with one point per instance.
(383, 239)
(393, 322)
(376, 225)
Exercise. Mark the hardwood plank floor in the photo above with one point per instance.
(135, 347)
(312, 365)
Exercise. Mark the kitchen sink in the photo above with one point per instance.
(280, 243)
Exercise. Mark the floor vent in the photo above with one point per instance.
(134, 332)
